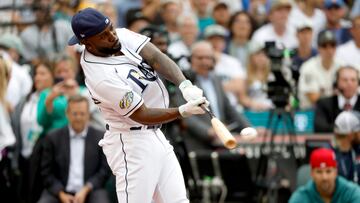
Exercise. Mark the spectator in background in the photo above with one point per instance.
(26, 128)
(203, 10)
(221, 14)
(335, 12)
(201, 134)
(346, 125)
(46, 38)
(350, 51)
(136, 20)
(258, 74)
(73, 166)
(53, 101)
(278, 29)
(63, 9)
(326, 185)
(12, 45)
(170, 11)
(305, 50)
(20, 81)
(7, 138)
(317, 75)
(257, 10)
(328, 108)
(108, 9)
(241, 27)
(228, 68)
(180, 50)
(159, 37)
(308, 11)
(123, 6)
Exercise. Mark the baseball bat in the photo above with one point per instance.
(221, 131)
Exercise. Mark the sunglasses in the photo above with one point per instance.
(328, 45)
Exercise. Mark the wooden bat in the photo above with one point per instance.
(221, 131)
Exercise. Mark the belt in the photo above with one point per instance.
(146, 127)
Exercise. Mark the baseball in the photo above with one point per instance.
(248, 133)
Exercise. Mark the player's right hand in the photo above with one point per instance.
(193, 107)
(190, 91)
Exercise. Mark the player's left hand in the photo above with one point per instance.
(190, 91)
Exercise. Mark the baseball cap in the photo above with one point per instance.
(333, 3)
(215, 30)
(346, 122)
(8, 41)
(220, 5)
(322, 158)
(275, 4)
(255, 47)
(304, 24)
(87, 23)
(164, 2)
(326, 36)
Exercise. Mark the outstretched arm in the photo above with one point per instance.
(168, 68)
(151, 116)
(162, 63)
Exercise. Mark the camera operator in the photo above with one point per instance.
(318, 73)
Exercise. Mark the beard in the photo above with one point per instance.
(109, 51)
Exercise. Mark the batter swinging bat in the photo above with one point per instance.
(221, 131)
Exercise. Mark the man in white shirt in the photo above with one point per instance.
(349, 52)
(317, 75)
(180, 50)
(121, 69)
(229, 69)
(278, 29)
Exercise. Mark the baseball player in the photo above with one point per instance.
(121, 69)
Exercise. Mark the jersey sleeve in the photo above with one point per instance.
(119, 97)
(133, 41)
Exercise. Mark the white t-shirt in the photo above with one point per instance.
(228, 67)
(119, 85)
(349, 53)
(267, 33)
(314, 78)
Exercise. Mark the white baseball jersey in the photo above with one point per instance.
(121, 84)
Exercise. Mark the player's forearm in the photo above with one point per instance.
(153, 116)
(162, 64)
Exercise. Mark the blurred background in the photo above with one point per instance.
(286, 67)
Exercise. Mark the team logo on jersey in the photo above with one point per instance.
(126, 101)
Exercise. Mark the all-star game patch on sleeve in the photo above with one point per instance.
(122, 98)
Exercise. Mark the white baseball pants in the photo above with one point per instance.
(145, 167)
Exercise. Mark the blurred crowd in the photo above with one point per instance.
(220, 45)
